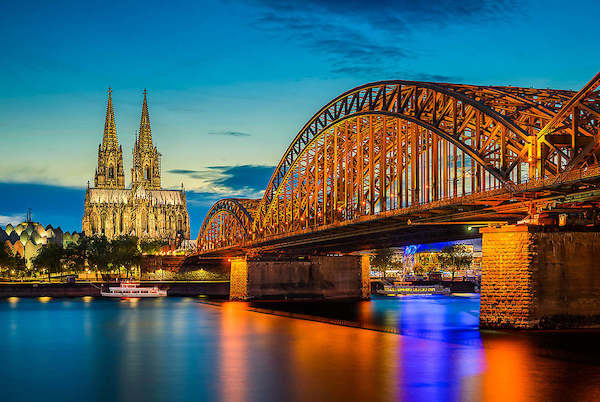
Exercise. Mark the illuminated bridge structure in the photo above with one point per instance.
(389, 154)
(393, 163)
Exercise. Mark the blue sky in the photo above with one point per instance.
(231, 82)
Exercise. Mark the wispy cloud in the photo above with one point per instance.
(228, 181)
(12, 219)
(183, 171)
(210, 184)
(362, 39)
(230, 133)
(36, 174)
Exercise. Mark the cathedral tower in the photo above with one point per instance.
(144, 210)
(109, 173)
(146, 159)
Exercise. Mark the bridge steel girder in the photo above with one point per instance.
(228, 222)
(390, 145)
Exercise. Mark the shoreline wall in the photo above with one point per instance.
(210, 289)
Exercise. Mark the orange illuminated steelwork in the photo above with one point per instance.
(228, 222)
(391, 145)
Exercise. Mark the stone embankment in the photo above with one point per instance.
(218, 289)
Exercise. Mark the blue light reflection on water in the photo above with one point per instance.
(180, 349)
(441, 344)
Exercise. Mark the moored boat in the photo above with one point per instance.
(132, 289)
(404, 288)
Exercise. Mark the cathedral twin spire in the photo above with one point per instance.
(145, 133)
(146, 159)
(109, 173)
(109, 141)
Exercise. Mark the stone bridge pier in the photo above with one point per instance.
(310, 277)
(539, 277)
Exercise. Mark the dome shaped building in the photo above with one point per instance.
(27, 238)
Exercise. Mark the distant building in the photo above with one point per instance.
(145, 210)
(27, 238)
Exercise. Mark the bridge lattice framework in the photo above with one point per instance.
(391, 145)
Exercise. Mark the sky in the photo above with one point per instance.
(231, 82)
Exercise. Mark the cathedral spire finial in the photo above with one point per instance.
(145, 133)
(109, 140)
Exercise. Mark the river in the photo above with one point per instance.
(417, 348)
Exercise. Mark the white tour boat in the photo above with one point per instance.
(132, 289)
(406, 288)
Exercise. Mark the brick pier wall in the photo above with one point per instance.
(238, 279)
(316, 277)
(365, 276)
(539, 278)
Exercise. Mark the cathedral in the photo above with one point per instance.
(145, 210)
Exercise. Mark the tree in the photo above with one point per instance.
(418, 269)
(20, 265)
(98, 254)
(428, 262)
(152, 246)
(382, 260)
(455, 257)
(75, 256)
(6, 256)
(125, 253)
(49, 258)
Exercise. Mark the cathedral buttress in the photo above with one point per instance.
(109, 173)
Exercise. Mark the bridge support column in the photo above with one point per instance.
(536, 277)
(311, 277)
(365, 277)
(238, 279)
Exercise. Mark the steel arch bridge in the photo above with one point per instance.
(387, 146)
(228, 222)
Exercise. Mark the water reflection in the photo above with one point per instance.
(410, 349)
(232, 353)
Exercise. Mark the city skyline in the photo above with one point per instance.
(227, 99)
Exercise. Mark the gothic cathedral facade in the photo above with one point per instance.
(145, 210)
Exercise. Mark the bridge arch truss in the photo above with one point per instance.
(228, 222)
(391, 145)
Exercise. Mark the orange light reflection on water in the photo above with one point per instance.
(523, 368)
(324, 361)
(299, 359)
(357, 361)
(233, 357)
(506, 377)
(133, 301)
